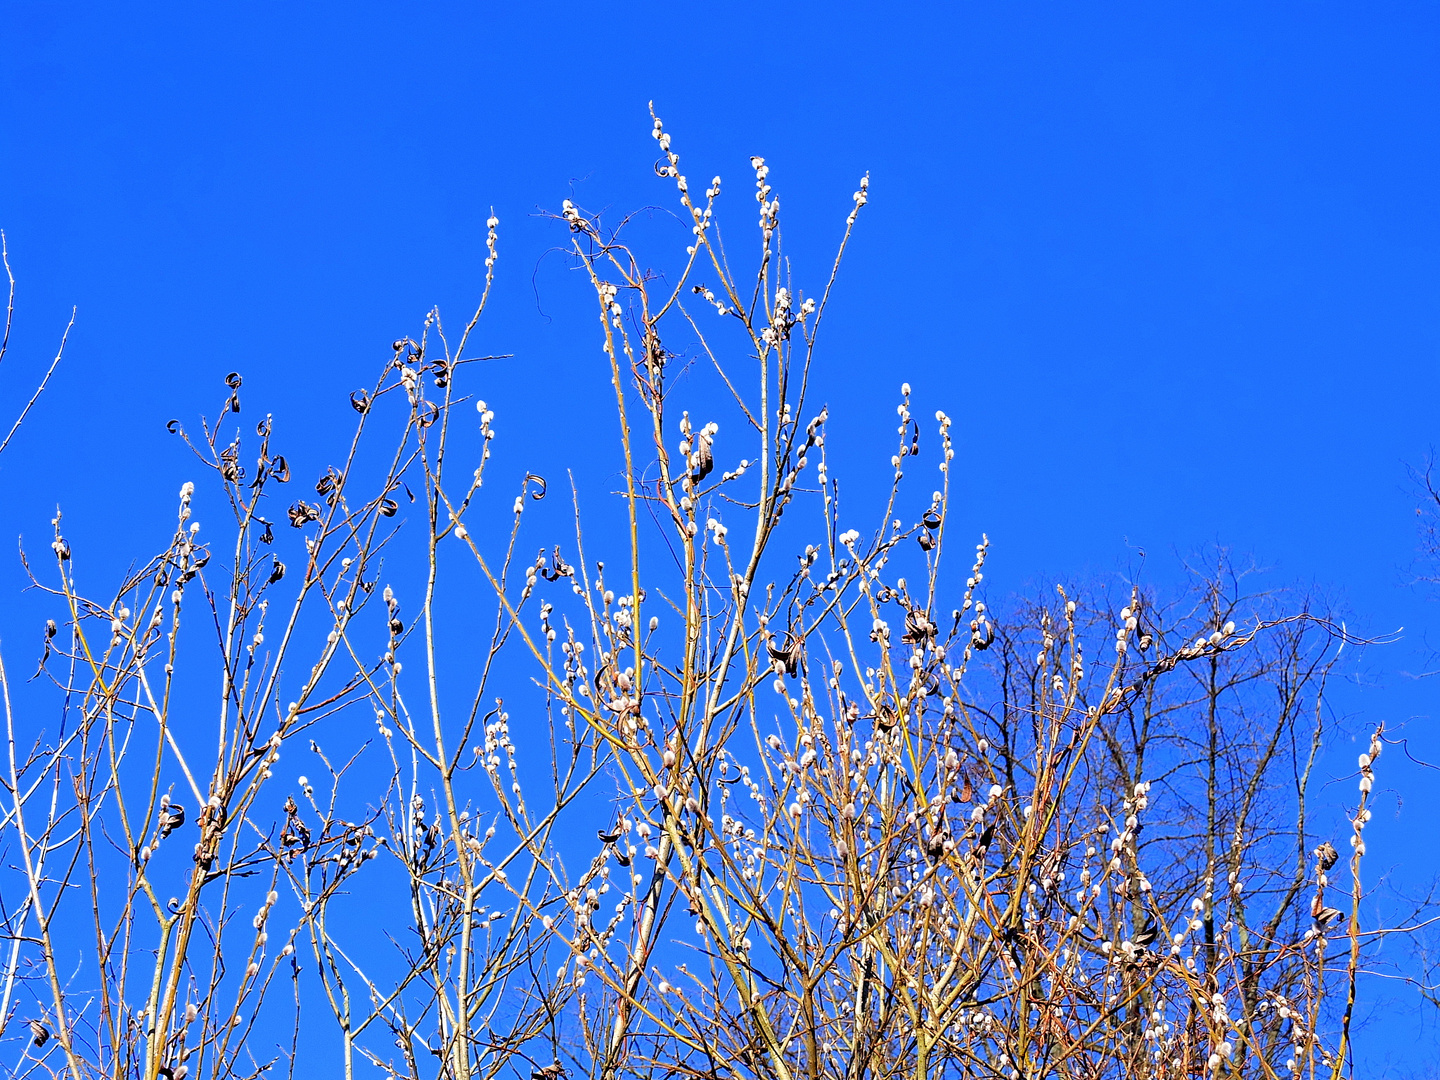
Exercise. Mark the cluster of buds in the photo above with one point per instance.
(861, 197)
(491, 224)
(572, 217)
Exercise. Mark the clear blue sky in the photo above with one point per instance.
(1182, 260)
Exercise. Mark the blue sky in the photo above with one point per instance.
(1181, 261)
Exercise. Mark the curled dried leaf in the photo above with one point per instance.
(789, 655)
(702, 459)
(918, 627)
(172, 816)
(983, 635)
(301, 513)
(558, 567)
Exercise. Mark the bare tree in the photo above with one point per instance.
(770, 793)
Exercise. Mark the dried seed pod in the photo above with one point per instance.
(360, 401)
